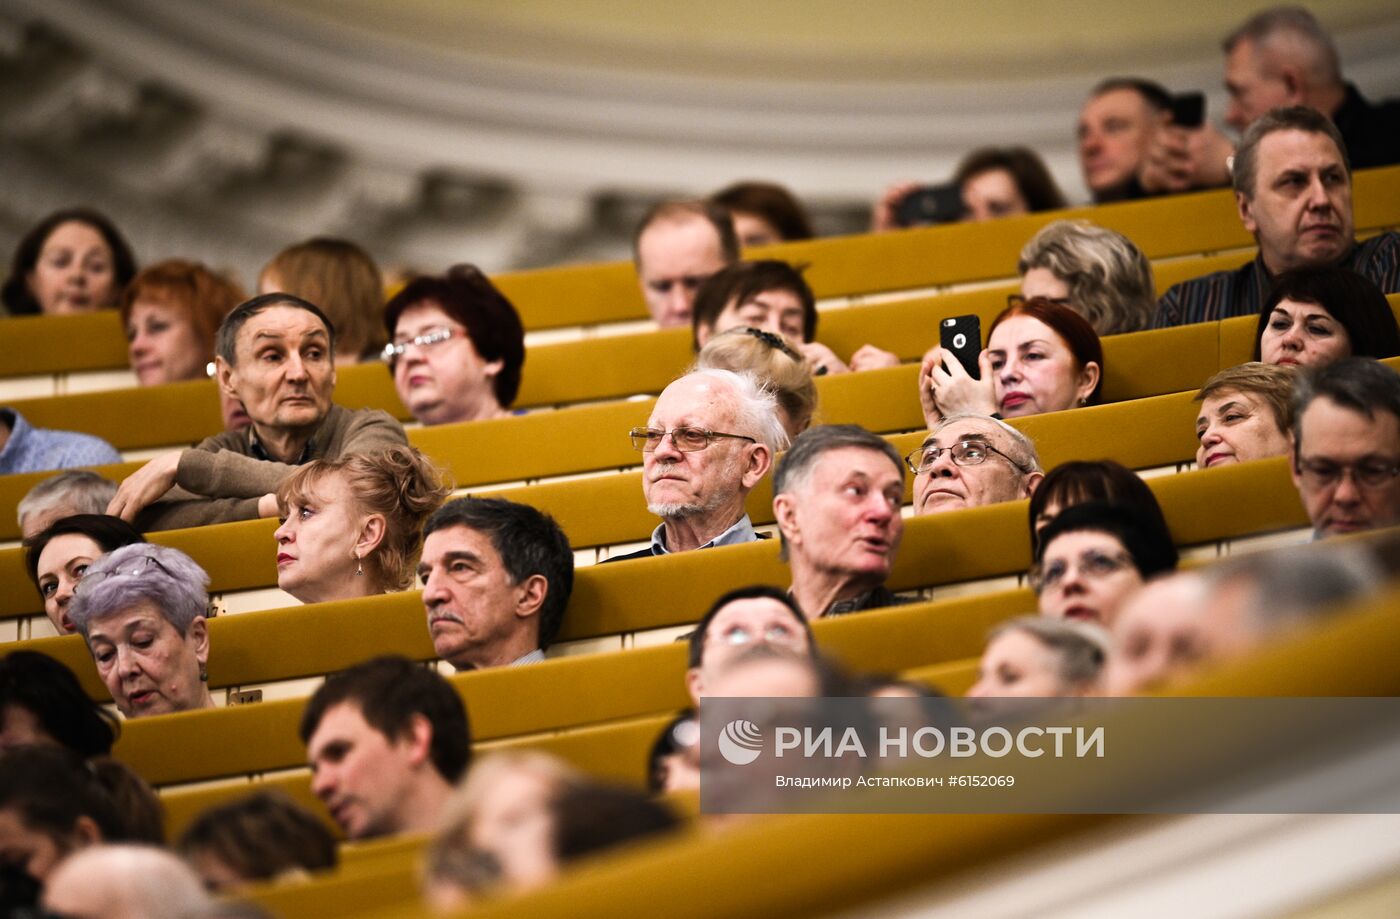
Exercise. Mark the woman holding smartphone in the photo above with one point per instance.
(1040, 357)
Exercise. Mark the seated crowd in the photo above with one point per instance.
(1115, 611)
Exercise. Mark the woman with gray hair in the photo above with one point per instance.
(1094, 271)
(1032, 657)
(141, 610)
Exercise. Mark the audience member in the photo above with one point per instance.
(772, 672)
(1245, 414)
(1177, 625)
(386, 740)
(497, 828)
(837, 504)
(1292, 184)
(457, 347)
(1282, 56)
(59, 556)
(590, 817)
(711, 438)
(1314, 316)
(171, 312)
(952, 469)
(677, 245)
(992, 181)
(126, 882)
(674, 762)
(1031, 657)
(276, 355)
(764, 213)
(1078, 482)
(772, 361)
(1116, 128)
(77, 491)
(1346, 446)
(53, 803)
(1040, 357)
(340, 278)
(141, 609)
(1092, 557)
(767, 294)
(350, 526)
(265, 836)
(496, 580)
(1094, 271)
(25, 448)
(738, 620)
(43, 704)
(72, 261)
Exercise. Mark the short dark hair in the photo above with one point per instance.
(1151, 550)
(389, 691)
(260, 836)
(742, 281)
(696, 638)
(1026, 168)
(528, 541)
(492, 323)
(1082, 481)
(1245, 167)
(774, 203)
(590, 817)
(1152, 92)
(226, 339)
(111, 533)
(51, 787)
(1353, 300)
(18, 298)
(1361, 384)
(716, 215)
(48, 690)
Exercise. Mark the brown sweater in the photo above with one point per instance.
(221, 480)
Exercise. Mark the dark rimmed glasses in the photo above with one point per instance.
(686, 440)
(1319, 474)
(1093, 564)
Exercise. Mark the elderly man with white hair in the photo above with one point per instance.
(710, 439)
(125, 882)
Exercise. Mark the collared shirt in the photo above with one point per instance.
(740, 532)
(257, 451)
(878, 598)
(31, 449)
(534, 657)
(1242, 292)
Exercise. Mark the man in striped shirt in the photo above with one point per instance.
(1292, 185)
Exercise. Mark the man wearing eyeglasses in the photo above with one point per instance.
(1346, 446)
(971, 460)
(711, 438)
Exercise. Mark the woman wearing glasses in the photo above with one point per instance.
(1092, 558)
(456, 349)
(141, 611)
(351, 527)
(58, 557)
(1040, 357)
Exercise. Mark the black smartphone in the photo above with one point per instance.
(962, 335)
(930, 204)
(1189, 110)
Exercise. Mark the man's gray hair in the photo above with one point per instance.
(1080, 648)
(136, 880)
(1244, 167)
(756, 411)
(1295, 32)
(78, 490)
(1361, 384)
(1298, 584)
(1023, 452)
(795, 468)
(171, 580)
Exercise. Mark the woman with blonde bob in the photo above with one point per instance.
(778, 367)
(1094, 271)
(351, 527)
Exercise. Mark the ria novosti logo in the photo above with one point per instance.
(740, 742)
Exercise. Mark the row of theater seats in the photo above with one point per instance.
(603, 711)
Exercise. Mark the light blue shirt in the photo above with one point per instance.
(32, 449)
(740, 532)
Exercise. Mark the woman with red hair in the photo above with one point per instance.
(1040, 357)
